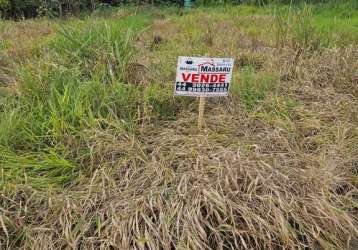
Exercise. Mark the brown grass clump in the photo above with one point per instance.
(172, 188)
(157, 40)
(136, 73)
(251, 60)
(7, 80)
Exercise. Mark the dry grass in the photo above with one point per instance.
(169, 186)
(281, 175)
(21, 38)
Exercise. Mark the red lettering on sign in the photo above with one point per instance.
(204, 78)
(186, 77)
(195, 78)
(222, 78)
(214, 78)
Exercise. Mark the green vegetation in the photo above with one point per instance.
(253, 87)
(96, 152)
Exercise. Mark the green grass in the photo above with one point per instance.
(280, 112)
(37, 169)
(337, 23)
(325, 25)
(252, 88)
(76, 84)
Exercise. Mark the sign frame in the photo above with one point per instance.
(203, 76)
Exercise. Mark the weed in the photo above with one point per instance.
(100, 52)
(252, 89)
(281, 28)
(279, 112)
(37, 169)
(249, 60)
(303, 32)
(160, 99)
(295, 28)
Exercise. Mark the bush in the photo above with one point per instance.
(32, 8)
(19, 8)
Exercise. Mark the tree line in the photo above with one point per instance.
(32, 8)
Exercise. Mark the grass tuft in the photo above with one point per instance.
(252, 88)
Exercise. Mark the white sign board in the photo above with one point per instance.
(202, 76)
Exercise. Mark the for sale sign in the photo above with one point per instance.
(201, 76)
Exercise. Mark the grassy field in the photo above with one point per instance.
(97, 153)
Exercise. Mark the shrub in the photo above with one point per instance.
(4, 3)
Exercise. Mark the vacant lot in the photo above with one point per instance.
(97, 153)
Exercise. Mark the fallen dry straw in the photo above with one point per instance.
(172, 189)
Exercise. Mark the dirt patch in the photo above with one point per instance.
(136, 73)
